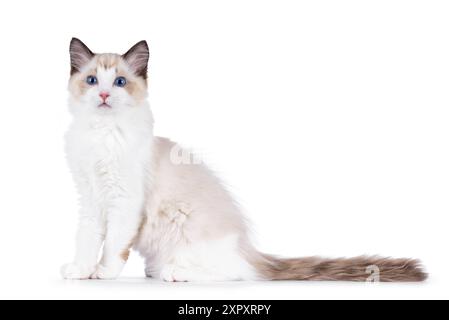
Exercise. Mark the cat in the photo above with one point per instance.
(177, 215)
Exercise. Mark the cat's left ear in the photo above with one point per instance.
(137, 58)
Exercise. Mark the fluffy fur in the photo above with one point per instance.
(176, 214)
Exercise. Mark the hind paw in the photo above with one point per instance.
(172, 273)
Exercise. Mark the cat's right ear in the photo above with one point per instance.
(80, 55)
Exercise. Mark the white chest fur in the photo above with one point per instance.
(108, 158)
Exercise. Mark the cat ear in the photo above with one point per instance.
(80, 55)
(137, 58)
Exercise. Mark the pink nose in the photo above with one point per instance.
(104, 95)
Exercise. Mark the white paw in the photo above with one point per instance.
(171, 273)
(105, 273)
(74, 271)
(167, 273)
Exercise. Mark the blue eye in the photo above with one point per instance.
(91, 80)
(120, 81)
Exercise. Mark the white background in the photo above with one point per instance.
(329, 121)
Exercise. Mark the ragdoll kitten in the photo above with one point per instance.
(176, 215)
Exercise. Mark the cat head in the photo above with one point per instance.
(108, 82)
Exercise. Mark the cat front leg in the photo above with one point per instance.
(91, 228)
(89, 239)
(123, 223)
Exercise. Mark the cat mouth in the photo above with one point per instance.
(104, 105)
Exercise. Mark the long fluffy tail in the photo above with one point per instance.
(345, 269)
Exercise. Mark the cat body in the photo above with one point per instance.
(176, 214)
